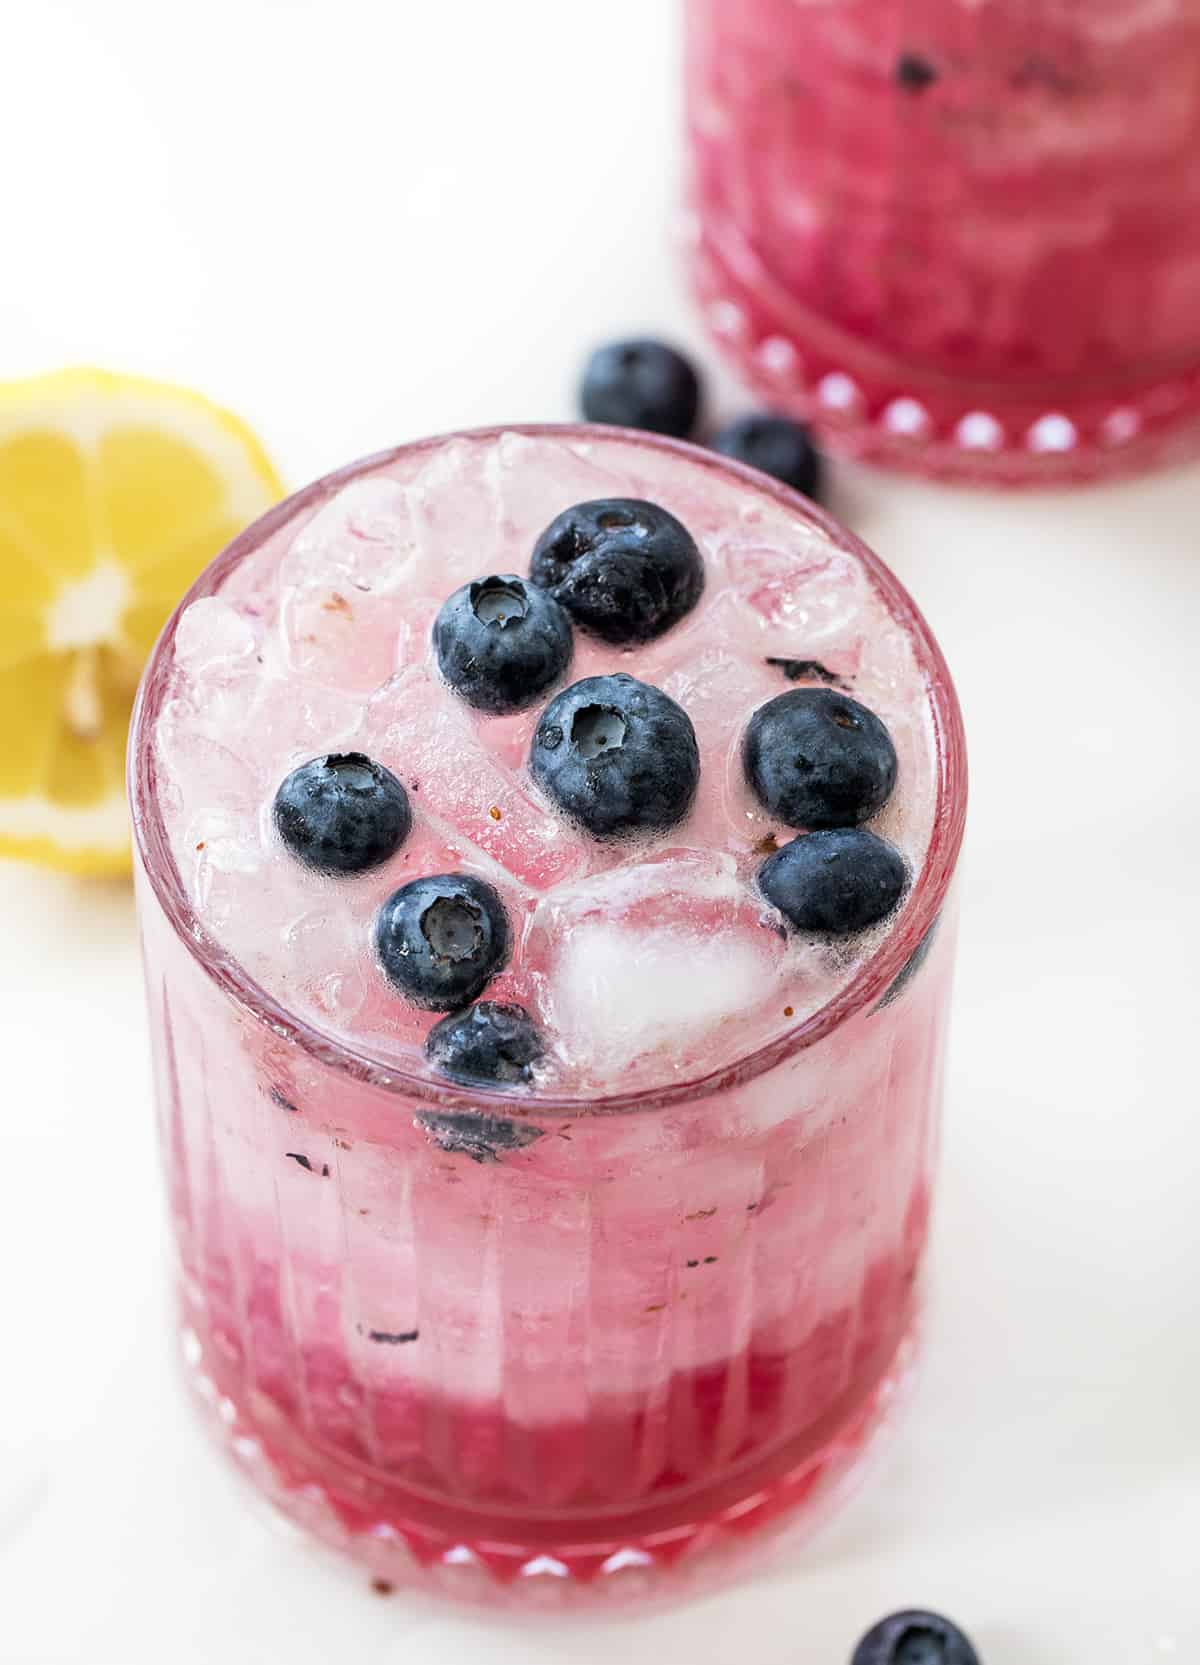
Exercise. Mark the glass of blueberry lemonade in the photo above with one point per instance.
(964, 237)
(545, 838)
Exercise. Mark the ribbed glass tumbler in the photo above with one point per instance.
(522, 1348)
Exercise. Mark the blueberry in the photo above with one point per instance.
(625, 570)
(914, 73)
(500, 642)
(911, 966)
(776, 446)
(482, 1138)
(442, 939)
(617, 755)
(817, 758)
(835, 882)
(641, 384)
(342, 813)
(915, 1638)
(489, 1043)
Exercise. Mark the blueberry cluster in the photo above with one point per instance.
(646, 384)
(818, 760)
(616, 756)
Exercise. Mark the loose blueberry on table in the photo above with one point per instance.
(914, 1638)
(775, 445)
(640, 383)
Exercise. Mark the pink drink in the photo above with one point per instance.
(579, 1334)
(964, 237)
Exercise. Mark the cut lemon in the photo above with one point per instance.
(114, 493)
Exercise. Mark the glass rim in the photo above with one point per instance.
(866, 987)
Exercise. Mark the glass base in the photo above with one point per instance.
(658, 1555)
(865, 405)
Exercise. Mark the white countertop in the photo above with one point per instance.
(361, 222)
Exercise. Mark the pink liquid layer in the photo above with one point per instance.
(963, 239)
(706, 1459)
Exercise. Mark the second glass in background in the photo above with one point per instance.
(964, 239)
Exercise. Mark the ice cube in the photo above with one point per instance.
(212, 633)
(363, 539)
(296, 721)
(720, 688)
(805, 592)
(329, 947)
(228, 841)
(343, 636)
(339, 582)
(541, 478)
(454, 502)
(205, 771)
(419, 730)
(215, 666)
(221, 860)
(654, 958)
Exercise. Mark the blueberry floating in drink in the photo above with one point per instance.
(835, 882)
(342, 813)
(617, 756)
(817, 758)
(501, 642)
(442, 939)
(624, 569)
(483, 1138)
(491, 1043)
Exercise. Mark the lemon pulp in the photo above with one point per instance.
(114, 493)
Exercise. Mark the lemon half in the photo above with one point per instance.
(114, 493)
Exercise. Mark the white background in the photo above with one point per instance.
(357, 222)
